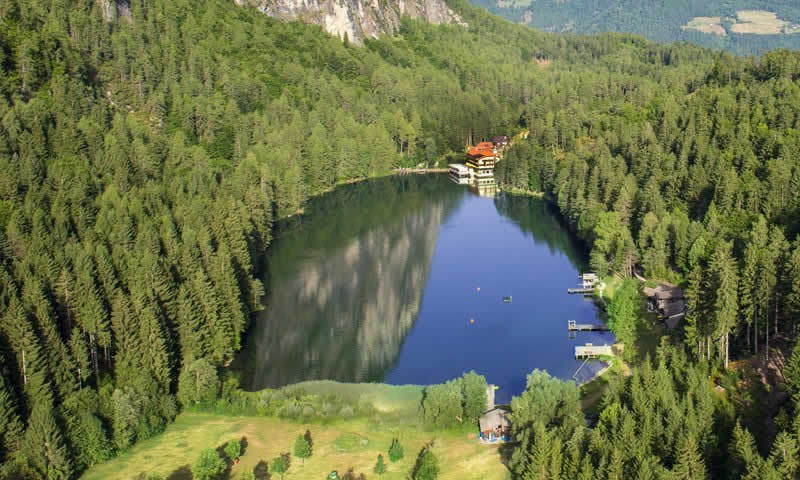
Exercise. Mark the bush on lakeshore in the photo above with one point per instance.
(457, 402)
(396, 452)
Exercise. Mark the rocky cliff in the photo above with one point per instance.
(358, 19)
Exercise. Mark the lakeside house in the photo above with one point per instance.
(668, 301)
(495, 425)
(481, 160)
(478, 167)
(501, 141)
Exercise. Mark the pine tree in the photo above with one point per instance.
(695, 313)
(380, 466)
(427, 466)
(784, 456)
(724, 282)
(689, 464)
(792, 298)
(743, 452)
(10, 424)
(791, 373)
(155, 353)
(44, 445)
(395, 451)
(279, 465)
(747, 305)
(302, 449)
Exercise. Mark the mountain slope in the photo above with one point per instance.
(357, 19)
(742, 26)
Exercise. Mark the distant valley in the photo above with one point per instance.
(740, 26)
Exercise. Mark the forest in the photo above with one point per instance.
(657, 20)
(145, 159)
(698, 187)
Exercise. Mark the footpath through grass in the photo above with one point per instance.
(340, 445)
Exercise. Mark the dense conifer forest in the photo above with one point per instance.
(144, 160)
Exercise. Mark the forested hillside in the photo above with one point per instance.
(701, 189)
(706, 23)
(145, 159)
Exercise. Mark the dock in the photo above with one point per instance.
(573, 326)
(590, 351)
(580, 290)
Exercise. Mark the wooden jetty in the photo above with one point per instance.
(580, 290)
(573, 326)
(590, 351)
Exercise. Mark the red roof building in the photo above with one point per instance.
(483, 149)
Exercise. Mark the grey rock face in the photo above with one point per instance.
(359, 19)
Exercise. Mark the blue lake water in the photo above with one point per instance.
(378, 281)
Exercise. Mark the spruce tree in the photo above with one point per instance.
(784, 455)
(44, 445)
(302, 449)
(427, 466)
(724, 281)
(689, 464)
(395, 450)
(10, 425)
(791, 373)
(380, 466)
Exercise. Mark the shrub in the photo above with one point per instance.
(474, 395)
(396, 451)
(208, 465)
(442, 404)
(346, 411)
(233, 449)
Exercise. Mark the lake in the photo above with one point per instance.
(402, 280)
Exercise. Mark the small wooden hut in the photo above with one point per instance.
(667, 301)
(495, 425)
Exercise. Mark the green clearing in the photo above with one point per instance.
(338, 446)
